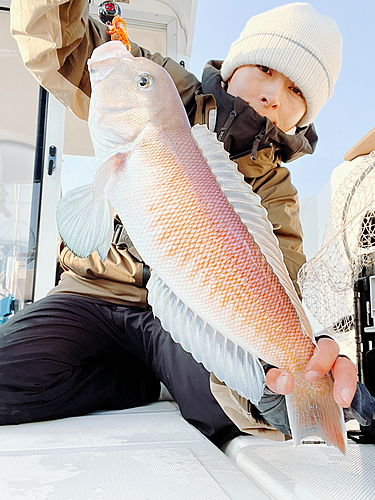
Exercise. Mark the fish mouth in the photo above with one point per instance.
(105, 58)
(104, 108)
(113, 49)
(104, 124)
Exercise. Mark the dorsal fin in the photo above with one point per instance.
(248, 207)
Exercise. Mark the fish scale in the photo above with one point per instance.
(218, 281)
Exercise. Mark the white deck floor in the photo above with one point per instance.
(309, 471)
(147, 453)
(151, 453)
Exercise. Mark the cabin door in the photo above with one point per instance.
(27, 189)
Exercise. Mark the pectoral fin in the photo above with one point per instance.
(85, 216)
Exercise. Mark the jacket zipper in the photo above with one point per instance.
(225, 127)
(256, 142)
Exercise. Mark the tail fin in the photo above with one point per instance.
(312, 411)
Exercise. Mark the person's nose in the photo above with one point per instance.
(271, 95)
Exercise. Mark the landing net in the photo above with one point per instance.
(347, 253)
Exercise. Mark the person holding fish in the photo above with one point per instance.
(94, 342)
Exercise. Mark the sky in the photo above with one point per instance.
(347, 116)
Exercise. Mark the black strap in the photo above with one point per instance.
(122, 240)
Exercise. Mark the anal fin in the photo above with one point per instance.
(240, 370)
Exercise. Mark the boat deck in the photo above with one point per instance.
(152, 453)
(146, 453)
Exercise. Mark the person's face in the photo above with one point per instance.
(270, 93)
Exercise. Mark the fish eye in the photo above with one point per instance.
(145, 80)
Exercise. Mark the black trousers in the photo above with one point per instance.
(68, 356)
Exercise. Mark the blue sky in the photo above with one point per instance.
(348, 115)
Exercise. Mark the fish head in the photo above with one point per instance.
(127, 94)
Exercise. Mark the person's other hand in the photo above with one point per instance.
(324, 359)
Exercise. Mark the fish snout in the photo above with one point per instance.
(109, 50)
(105, 58)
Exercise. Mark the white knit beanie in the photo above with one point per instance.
(299, 43)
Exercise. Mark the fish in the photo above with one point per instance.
(218, 281)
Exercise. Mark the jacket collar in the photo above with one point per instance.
(252, 131)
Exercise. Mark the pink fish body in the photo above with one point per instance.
(218, 281)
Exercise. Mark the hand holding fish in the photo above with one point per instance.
(324, 360)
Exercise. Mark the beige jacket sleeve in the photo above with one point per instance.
(238, 410)
(280, 198)
(57, 37)
(48, 33)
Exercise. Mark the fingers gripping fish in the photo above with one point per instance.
(218, 282)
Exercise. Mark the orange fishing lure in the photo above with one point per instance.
(119, 31)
